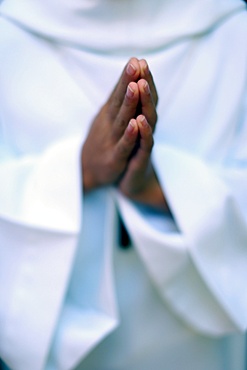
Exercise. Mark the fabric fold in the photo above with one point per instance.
(35, 183)
(214, 230)
(89, 312)
(34, 268)
(57, 283)
(121, 25)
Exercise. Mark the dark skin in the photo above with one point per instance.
(119, 144)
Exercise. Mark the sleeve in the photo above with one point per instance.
(52, 312)
(40, 211)
(40, 199)
(198, 257)
(44, 216)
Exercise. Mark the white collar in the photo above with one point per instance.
(119, 25)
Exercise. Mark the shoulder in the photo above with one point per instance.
(231, 34)
(225, 45)
(18, 45)
(11, 37)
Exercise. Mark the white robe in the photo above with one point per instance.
(176, 300)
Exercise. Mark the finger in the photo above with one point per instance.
(140, 160)
(127, 110)
(130, 73)
(146, 135)
(148, 108)
(127, 142)
(147, 75)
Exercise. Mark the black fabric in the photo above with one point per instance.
(124, 239)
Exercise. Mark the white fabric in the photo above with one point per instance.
(125, 25)
(60, 295)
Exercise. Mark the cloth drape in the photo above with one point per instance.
(59, 63)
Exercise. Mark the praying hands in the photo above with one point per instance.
(119, 144)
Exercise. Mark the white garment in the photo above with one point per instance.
(125, 26)
(60, 295)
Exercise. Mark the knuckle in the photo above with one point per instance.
(114, 104)
(108, 111)
(117, 102)
(122, 124)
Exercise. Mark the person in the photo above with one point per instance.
(132, 109)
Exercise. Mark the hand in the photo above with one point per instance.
(118, 147)
(112, 136)
(139, 182)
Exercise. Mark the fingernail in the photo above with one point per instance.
(130, 92)
(146, 88)
(131, 70)
(131, 126)
(143, 121)
(146, 68)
